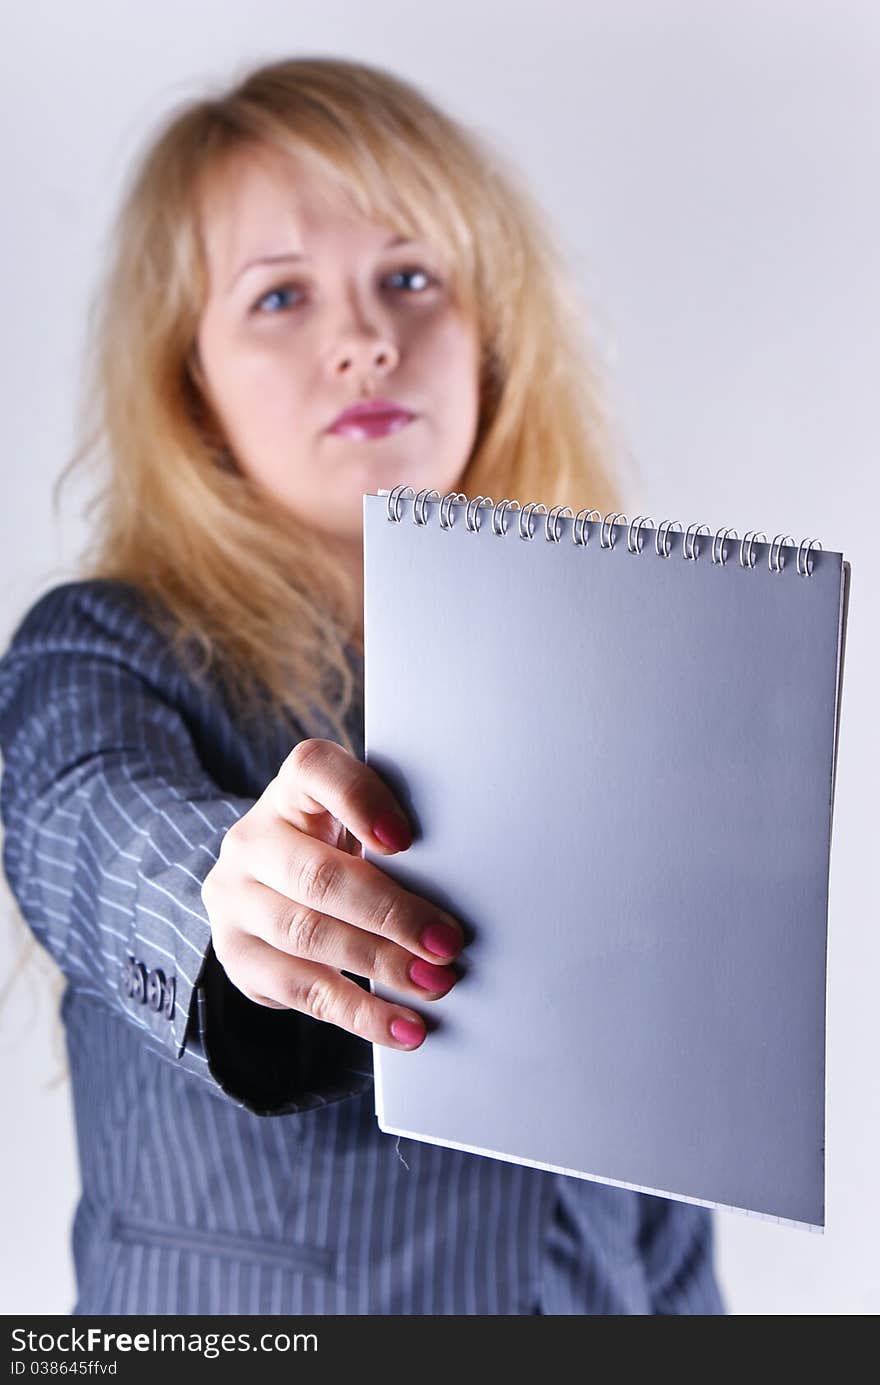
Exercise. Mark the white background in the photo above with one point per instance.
(712, 170)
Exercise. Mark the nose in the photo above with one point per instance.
(364, 352)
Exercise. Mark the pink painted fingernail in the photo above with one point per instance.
(391, 830)
(407, 1032)
(441, 939)
(432, 978)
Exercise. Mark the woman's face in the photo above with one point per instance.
(340, 316)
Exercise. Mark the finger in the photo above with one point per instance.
(320, 777)
(303, 932)
(331, 881)
(265, 975)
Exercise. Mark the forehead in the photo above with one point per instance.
(261, 203)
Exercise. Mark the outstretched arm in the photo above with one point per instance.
(111, 823)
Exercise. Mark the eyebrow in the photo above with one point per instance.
(290, 257)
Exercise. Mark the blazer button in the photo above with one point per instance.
(138, 981)
(168, 1007)
(155, 990)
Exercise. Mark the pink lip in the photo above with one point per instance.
(372, 418)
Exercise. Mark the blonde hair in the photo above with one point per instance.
(242, 589)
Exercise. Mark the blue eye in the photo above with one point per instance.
(281, 289)
(415, 273)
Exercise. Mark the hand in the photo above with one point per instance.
(291, 906)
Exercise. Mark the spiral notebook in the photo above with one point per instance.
(616, 743)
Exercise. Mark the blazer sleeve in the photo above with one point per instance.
(111, 823)
(677, 1243)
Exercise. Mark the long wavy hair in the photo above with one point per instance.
(247, 594)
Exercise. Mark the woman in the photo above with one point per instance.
(184, 793)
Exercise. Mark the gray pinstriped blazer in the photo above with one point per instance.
(229, 1154)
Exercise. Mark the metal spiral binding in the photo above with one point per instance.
(580, 534)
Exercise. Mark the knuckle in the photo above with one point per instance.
(207, 887)
(233, 844)
(388, 918)
(353, 1014)
(302, 931)
(375, 960)
(317, 999)
(225, 951)
(307, 753)
(316, 879)
(274, 795)
(385, 963)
